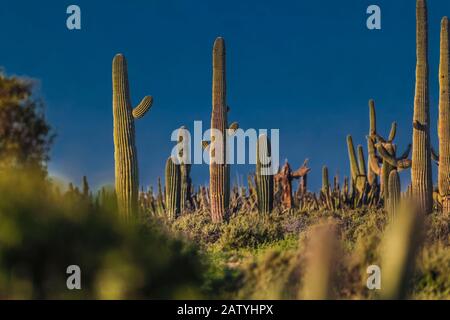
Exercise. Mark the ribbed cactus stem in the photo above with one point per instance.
(173, 189)
(421, 152)
(125, 153)
(325, 180)
(394, 194)
(264, 176)
(361, 160)
(371, 174)
(444, 120)
(219, 171)
(354, 169)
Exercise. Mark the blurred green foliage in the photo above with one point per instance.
(43, 231)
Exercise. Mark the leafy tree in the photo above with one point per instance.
(25, 135)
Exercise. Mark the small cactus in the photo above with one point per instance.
(125, 153)
(264, 176)
(173, 189)
(325, 180)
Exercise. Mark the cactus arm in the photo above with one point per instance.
(354, 169)
(434, 156)
(141, 109)
(233, 127)
(393, 131)
(361, 160)
(302, 171)
(405, 154)
(385, 155)
(372, 118)
(373, 162)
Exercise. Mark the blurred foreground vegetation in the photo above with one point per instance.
(44, 230)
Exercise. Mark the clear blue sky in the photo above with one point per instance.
(306, 67)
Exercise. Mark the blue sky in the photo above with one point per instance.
(305, 67)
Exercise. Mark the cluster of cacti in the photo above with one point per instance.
(268, 191)
(125, 153)
(382, 153)
(263, 175)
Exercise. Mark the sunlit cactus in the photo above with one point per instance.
(422, 187)
(125, 153)
(173, 189)
(444, 121)
(357, 166)
(393, 200)
(371, 174)
(219, 169)
(264, 176)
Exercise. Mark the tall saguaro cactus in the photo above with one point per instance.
(422, 187)
(264, 175)
(444, 120)
(125, 153)
(219, 169)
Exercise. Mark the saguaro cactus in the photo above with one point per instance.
(444, 120)
(422, 187)
(219, 169)
(264, 176)
(125, 153)
(325, 180)
(173, 188)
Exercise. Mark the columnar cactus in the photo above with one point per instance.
(394, 194)
(357, 166)
(125, 153)
(444, 120)
(422, 187)
(264, 176)
(173, 189)
(371, 174)
(219, 169)
(185, 170)
(325, 180)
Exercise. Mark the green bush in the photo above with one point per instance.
(43, 232)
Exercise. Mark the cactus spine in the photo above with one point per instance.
(394, 194)
(125, 153)
(173, 189)
(421, 152)
(218, 169)
(444, 120)
(264, 176)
